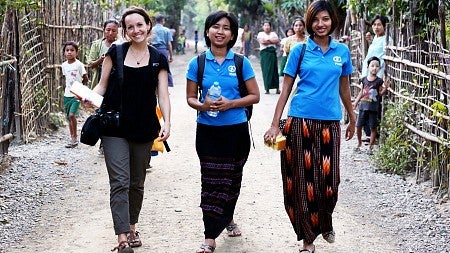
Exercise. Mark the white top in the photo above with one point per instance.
(73, 72)
(282, 42)
(263, 35)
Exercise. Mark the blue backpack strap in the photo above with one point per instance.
(239, 63)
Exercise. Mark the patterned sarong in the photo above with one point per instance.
(310, 172)
(269, 67)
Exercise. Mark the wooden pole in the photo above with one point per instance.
(6, 137)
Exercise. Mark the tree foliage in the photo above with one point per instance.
(18, 5)
(421, 12)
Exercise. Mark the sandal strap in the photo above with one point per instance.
(207, 247)
(231, 227)
(121, 246)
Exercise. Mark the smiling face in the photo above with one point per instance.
(220, 33)
(136, 28)
(321, 24)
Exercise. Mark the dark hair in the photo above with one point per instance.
(301, 20)
(287, 30)
(268, 22)
(381, 18)
(213, 18)
(109, 21)
(298, 19)
(159, 17)
(316, 7)
(373, 58)
(133, 10)
(70, 43)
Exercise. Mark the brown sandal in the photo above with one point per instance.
(233, 230)
(133, 239)
(123, 247)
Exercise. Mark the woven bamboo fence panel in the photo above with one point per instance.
(420, 75)
(40, 37)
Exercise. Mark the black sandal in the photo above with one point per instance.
(123, 247)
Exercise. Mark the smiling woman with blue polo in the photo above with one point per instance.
(310, 162)
(222, 141)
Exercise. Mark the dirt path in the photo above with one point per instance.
(77, 218)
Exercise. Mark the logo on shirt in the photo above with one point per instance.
(232, 70)
(337, 60)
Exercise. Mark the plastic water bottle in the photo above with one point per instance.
(214, 94)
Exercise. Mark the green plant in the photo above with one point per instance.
(394, 154)
(439, 109)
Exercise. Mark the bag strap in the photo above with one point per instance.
(302, 54)
(119, 63)
(239, 63)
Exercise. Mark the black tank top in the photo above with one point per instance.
(138, 119)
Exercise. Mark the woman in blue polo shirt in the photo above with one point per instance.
(310, 162)
(222, 142)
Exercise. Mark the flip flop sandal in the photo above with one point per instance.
(233, 230)
(329, 236)
(308, 250)
(133, 239)
(205, 247)
(123, 247)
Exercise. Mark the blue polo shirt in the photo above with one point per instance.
(225, 74)
(317, 95)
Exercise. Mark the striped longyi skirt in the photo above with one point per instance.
(223, 151)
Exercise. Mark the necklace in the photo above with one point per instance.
(138, 60)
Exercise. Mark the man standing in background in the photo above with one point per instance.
(162, 40)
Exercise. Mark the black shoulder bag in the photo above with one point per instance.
(92, 127)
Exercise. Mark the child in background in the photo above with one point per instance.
(372, 89)
(289, 33)
(73, 70)
(196, 40)
(181, 43)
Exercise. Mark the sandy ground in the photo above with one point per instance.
(171, 220)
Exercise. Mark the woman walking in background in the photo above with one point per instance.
(310, 162)
(100, 47)
(222, 141)
(97, 54)
(289, 32)
(298, 37)
(268, 41)
(247, 41)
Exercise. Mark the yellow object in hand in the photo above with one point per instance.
(279, 144)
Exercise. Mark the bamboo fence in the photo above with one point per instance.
(420, 78)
